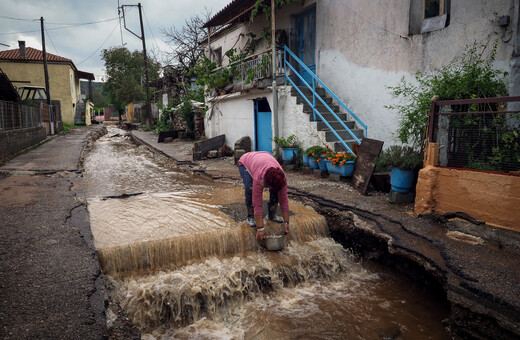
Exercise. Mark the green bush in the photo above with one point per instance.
(468, 76)
(399, 156)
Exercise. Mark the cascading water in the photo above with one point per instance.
(183, 267)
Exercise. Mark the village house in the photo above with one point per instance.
(24, 66)
(355, 50)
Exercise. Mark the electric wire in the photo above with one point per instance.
(63, 27)
(150, 29)
(52, 42)
(100, 45)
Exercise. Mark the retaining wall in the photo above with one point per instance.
(14, 141)
(488, 197)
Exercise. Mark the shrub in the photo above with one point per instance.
(468, 76)
(399, 156)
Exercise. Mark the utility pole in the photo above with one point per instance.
(273, 49)
(46, 74)
(148, 106)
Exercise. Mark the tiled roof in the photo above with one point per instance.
(235, 11)
(32, 54)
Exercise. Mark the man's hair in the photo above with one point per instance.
(274, 179)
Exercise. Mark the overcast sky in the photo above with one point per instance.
(81, 29)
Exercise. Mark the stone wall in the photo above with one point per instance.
(14, 141)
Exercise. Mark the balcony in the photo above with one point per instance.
(254, 71)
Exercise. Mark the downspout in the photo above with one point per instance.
(273, 49)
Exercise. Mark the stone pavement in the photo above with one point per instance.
(476, 266)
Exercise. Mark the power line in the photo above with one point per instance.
(100, 45)
(52, 42)
(153, 36)
(64, 27)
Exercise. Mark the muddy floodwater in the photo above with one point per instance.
(185, 265)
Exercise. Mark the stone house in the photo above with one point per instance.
(355, 49)
(24, 66)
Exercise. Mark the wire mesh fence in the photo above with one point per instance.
(480, 134)
(19, 116)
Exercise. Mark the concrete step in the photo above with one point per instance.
(338, 146)
(344, 134)
(300, 100)
(335, 125)
(306, 91)
(328, 117)
(321, 108)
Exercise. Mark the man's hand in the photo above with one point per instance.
(286, 225)
(260, 233)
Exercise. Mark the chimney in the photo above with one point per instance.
(21, 43)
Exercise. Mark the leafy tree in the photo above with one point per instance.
(470, 75)
(126, 75)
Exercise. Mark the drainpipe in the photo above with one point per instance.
(275, 92)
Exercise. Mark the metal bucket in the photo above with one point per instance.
(275, 242)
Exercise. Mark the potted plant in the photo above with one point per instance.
(306, 156)
(341, 163)
(314, 153)
(290, 148)
(404, 162)
(325, 154)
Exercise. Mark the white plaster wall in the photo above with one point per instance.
(233, 116)
(292, 120)
(363, 47)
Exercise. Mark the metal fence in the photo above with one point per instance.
(19, 116)
(480, 134)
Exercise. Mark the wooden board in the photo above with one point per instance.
(366, 163)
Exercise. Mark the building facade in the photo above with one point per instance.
(358, 49)
(25, 67)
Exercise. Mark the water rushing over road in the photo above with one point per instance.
(184, 267)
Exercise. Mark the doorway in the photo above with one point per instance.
(263, 129)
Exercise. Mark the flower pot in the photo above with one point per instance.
(289, 154)
(305, 160)
(345, 170)
(330, 167)
(313, 164)
(322, 164)
(401, 180)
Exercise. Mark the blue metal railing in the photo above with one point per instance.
(316, 95)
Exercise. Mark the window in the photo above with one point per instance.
(428, 15)
(216, 56)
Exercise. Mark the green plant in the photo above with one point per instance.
(340, 157)
(291, 142)
(164, 123)
(186, 112)
(470, 75)
(399, 156)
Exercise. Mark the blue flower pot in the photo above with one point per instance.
(322, 164)
(305, 160)
(401, 180)
(345, 170)
(330, 167)
(288, 154)
(313, 164)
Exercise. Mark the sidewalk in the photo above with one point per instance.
(477, 266)
(51, 285)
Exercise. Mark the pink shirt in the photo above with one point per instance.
(257, 163)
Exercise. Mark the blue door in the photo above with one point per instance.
(306, 28)
(263, 130)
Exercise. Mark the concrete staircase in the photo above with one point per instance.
(330, 137)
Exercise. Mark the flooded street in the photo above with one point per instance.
(185, 264)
